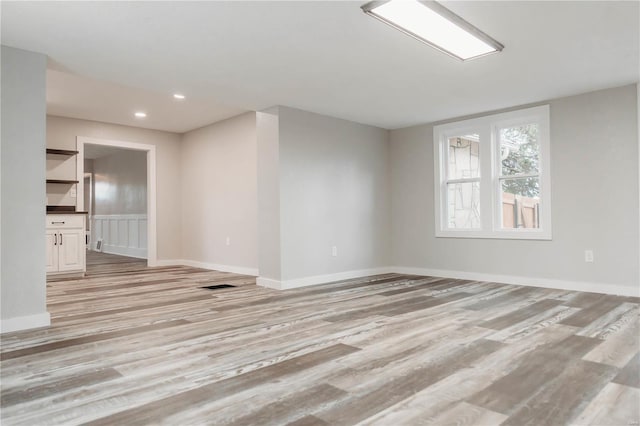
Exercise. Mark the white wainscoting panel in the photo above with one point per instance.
(124, 234)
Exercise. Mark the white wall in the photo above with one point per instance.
(120, 183)
(333, 192)
(594, 175)
(23, 276)
(62, 133)
(219, 195)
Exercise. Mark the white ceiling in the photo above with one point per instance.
(324, 56)
(71, 95)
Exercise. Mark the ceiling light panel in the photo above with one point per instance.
(435, 25)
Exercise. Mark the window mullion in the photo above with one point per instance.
(520, 176)
(463, 180)
(441, 155)
(486, 178)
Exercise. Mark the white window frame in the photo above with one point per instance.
(490, 174)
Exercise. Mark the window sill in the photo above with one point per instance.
(499, 235)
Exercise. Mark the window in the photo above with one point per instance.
(492, 176)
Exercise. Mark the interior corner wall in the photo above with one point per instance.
(268, 170)
(334, 192)
(62, 133)
(23, 276)
(219, 195)
(595, 203)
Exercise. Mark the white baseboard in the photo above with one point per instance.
(125, 251)
(269, 283)
(320, 279)
(8, 325)
(614, 289)
(224, 268)
(603, 288)
(167, 262)
(212, 266)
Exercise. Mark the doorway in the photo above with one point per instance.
(120, 198)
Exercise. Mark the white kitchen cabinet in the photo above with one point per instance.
(71, 250)
(66, 252)
(52, 251)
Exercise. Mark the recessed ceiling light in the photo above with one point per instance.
(434, 25)
(140, 114)
(178, 96)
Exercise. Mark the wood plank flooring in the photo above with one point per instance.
(131, 345)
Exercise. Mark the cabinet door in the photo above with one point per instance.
(71, 250)
(52, 251)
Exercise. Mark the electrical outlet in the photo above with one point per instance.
(228, 241)
(334, 251)
(588, 256)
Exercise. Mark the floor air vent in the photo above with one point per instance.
(217, 287)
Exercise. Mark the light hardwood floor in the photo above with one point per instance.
(134, 345)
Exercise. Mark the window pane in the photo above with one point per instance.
(519, 149)
(464, 205)
(521, 203)
(464, 157)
